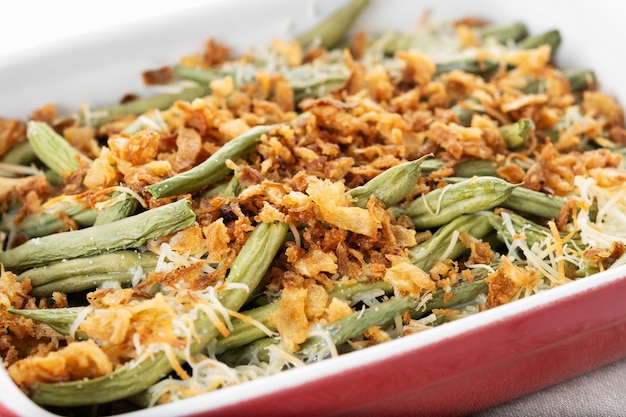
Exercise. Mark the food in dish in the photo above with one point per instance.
(298, 203)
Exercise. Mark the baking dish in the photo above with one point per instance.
(454, 369)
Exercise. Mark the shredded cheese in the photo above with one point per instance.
(79, 319)
(296, 234)
(606, 228)
(121, 197)
(558, 243)
(453, 241)
(329, 349)
(12, 169)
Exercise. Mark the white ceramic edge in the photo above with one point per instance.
(564, 15)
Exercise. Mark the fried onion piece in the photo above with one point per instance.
(337, 309)
(83, 139)
(605, 257)
(12, 131)
(21, 337)
(189, 145)
(507, 281)
(15, 189)
(553, 172)
(418, 67)
(407, 278)
(604, 108)
(316, 261)
(335, 208)
(290, 317)
(76, 361)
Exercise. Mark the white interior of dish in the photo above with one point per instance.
(101, 67)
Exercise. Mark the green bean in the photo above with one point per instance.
(463, 294)
(332, 29)
(349, 291)
(52, 149)
(580, 79)
(106, 263)
(45, 223)
(253, 352)
(254, 259)
(485, 68)
(212, 169)
(441, 205)
(242, 75)
(340, 331)
(125, 207)
(380, 314)
(100, 116)
(308, 80)
(533, 233)
(233, 187)
(476, 167)
(244, 332)
(356, 323)
(230, 188)
(110, 262)
(84, 282)
(53, 178)
(314, 82)
(389, 43)
(60, 319)
(130, 232)
(534, 86)
(534, 202)
(517, 134)
(391, 186)
(551, 38)
(202, 76)
(522, 199)
(430, 165)
(249, 267)
(466, 109)
(20, 154)
(441, 244)
(464, 114)
(514, 32)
